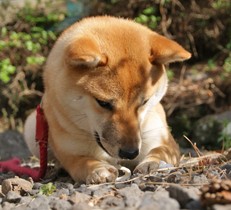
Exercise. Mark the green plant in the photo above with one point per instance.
(47, 189)
(225, 135)
(220, 4)
(227, 64)
(24, 45)
(6, 70)
(148, 17)
(170, 74)
(211, 64)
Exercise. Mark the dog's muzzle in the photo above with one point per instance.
(128, 153)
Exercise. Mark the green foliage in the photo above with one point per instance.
(6, 69)
(227, 65)
(47, 189)
(225, 135)
(170, 74)
(148, 17)
(24, 46)
(211, 64)
(220, 4)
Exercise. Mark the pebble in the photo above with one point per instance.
(78, 197)
(227, 168)
(7, 206)
(59, 204)
(132, 195)
(221, 207)
(200, 179)
(13, 197)
(40, 202)
(183, 195)
(158, 201)
(109, 201)
(37, 185)
(82, 206)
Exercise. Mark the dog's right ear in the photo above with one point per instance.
(164, 50)
(84, 52)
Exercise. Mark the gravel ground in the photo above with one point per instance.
(205, 185)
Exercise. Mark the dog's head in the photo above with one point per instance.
(118, 66)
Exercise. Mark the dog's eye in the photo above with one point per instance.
(104, 104)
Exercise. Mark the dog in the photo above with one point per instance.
(104, 79)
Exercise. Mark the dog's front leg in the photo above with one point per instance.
(89, 170)
(168, 153)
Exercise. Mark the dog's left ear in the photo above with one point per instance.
(84, 51)
(165, 51)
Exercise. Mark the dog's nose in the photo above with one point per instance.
(128, 153)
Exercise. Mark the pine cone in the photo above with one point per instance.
(217, 192)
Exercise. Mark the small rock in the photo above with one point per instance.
(34, 192)
(100, 191)
(183, 195)
(13, 197)
(208, 129)
(78, 197)
(59, 204)
(40, 202)
(60, 192)
(174, 178)
(62, 185)
(148, 202)
(13, 145)
(26, 199)
(221, 207)
(16, 184)
(7, 206)
(165, 202)
(158, 200)
(112, 201)
(82, 206)
(37, 185)
(227, 168)
(200, 179)
(194, 204)
(1, 194)
(132, 195)
(84, 189)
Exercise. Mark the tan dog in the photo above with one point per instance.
(103, 80)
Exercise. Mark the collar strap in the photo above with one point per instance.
(42, 139)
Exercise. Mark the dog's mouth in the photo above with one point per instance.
(99, 142)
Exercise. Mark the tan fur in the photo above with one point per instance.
(119, 62)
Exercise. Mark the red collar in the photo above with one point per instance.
(14, 164)
(42, 139)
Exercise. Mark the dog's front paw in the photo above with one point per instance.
(102, 174)
(146, 167)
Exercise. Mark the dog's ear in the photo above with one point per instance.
(84, 51)
(165, 51)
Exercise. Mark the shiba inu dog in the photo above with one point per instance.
(104, 79)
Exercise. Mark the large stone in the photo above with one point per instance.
(132, 195)
(158, 200)
(221, 207)
(13, 145)
(208, 131)
(183, 195)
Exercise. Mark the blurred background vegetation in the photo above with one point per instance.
(198, 103)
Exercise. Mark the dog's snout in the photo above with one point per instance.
(128, 153)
